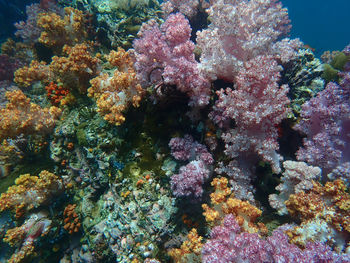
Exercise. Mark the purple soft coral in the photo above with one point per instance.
(166, 56)
(325, 119)
(228, 244)
(189, 180)
(257, 105)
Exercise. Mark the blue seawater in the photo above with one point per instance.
(323, 25)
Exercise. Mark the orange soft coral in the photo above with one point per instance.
(77, 68)
(115, 92)
(37, 71)
(30, 192)
(330, 202)
(224, 203)
(57, 94)
(71, 219)
(322, 208)
(23, 117)
(190, 249)
(58, 31)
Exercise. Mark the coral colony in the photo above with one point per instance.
(186, 131)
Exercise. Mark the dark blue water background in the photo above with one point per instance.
(322, 24)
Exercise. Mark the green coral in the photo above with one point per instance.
(331, 70)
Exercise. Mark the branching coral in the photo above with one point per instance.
(115, 92)
(30, 192)
(23, 117)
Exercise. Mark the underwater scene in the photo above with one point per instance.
(172, 131)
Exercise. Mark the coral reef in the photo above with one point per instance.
(187, 131)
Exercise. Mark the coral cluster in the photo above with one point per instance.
(297, 177)
(165, 138)
(240, 31)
